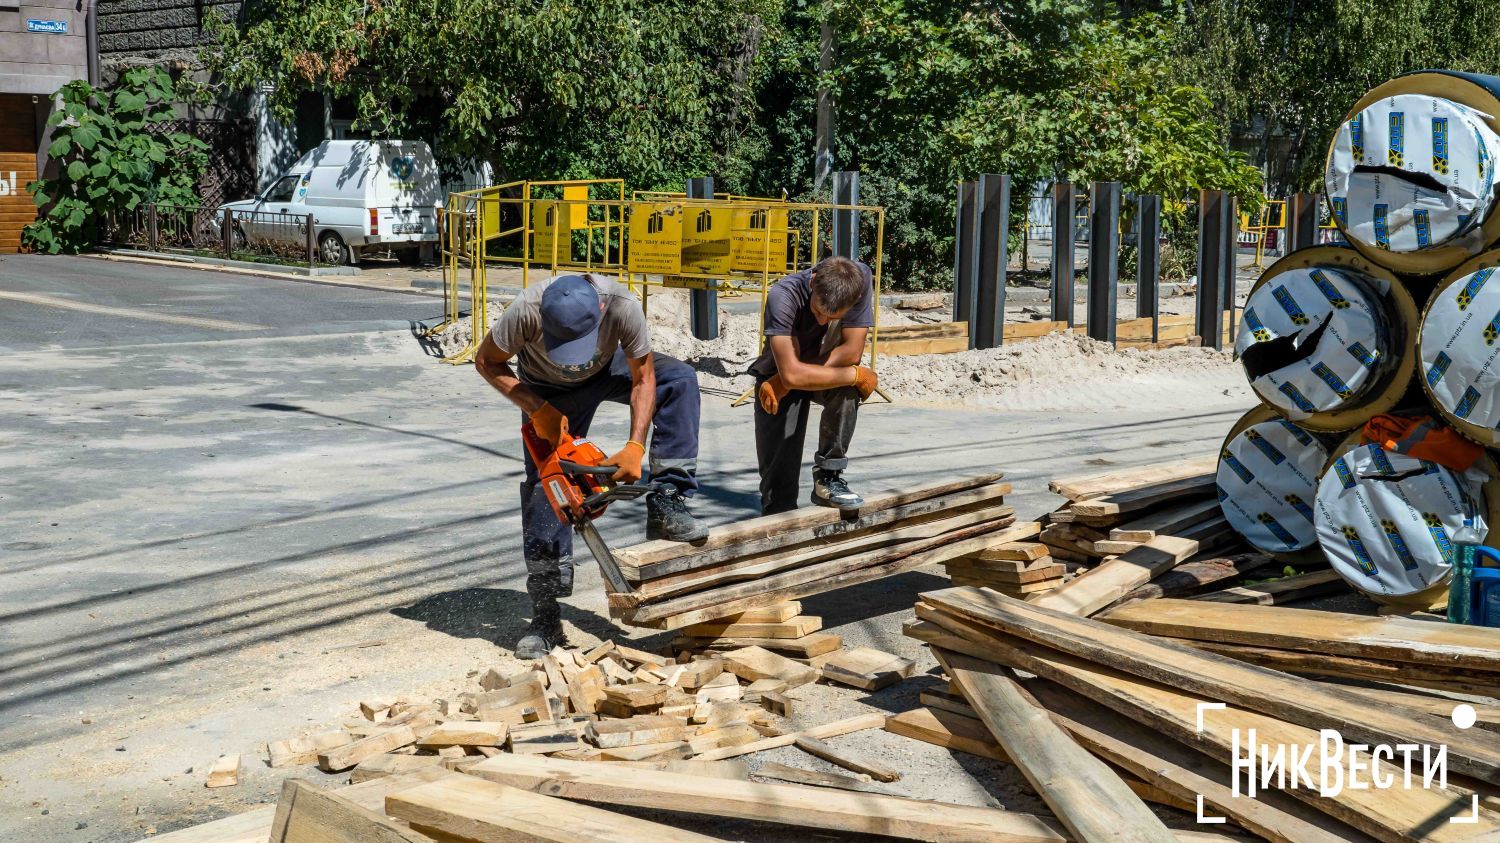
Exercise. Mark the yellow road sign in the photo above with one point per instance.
(749, 229)
(706, 241)
(552, 227)
(655, 239)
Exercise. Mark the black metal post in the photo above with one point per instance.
(226, 232)
(992, 219)
(1231, 262)
(311, 243)
(1104, 257)
(1213, 220)
(846, 223)
(1062, 252)
(1148, 259)
(965, 293)
(704, 304)
(153, 239)
(1302, 221)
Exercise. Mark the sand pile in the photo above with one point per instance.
(1057, 372)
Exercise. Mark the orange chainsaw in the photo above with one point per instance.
(579, 488)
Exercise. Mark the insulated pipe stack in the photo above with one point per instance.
(1332, 337)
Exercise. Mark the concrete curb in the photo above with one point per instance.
(191, 263)
(284, 269)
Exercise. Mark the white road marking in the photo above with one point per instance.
(131, 313)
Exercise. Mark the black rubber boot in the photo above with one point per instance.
(545, 630)
(668, 517)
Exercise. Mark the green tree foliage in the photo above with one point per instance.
(109, 160)
(1293, 68)
(651, 91)
(931, 91)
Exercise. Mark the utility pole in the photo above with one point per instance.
(823, 158)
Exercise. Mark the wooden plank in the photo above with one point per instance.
(1301, 701)
(805, 647)
(346, 756)
(1388, 814)
(751, 535)
(1137, 500)
(1113, 579)
(612, 734)
(816, 778)
(1083, 793)
(305, 750)
(1186, 774)
(848, 725)
(1196, 575)
(935, 345)
(1032, 330)
(391, 765)
(752, 663)
(465, 733)
(1456, 679)
(254, 826)
(947, 729)
(1005, 572)
(926, 330)
(308, 814)
(875, 770)
(753, 566)
(1286, 590)
(791, 628)
(867, 668)
(767, 614)
(821, 577)
(1097, 485)
(1335, 633)
(1168, 522)
(1014, 552)
(225, 772)
(809, 807)
(471, 808)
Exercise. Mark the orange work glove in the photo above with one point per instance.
(550, 424)
(772, 390)
(629, 461)
(865, 381)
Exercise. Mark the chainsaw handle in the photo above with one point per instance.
(570, 467)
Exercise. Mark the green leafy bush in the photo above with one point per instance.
(110, 161)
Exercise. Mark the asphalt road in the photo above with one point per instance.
(232, 506)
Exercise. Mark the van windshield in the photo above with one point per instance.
(282, 190)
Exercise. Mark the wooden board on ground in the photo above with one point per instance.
(1145, 497)
(470, 808)
(308, 814)
(867, 668)
(1194, 576)
(769, 532)
(752, 663)
(848, 725)
(1093, 486)
(805, 647)
(1085, 794)
(1014, 552)
(1113, 579)
(1287, 590)
(809, 807)
(816, 778)
(1390, 814)
(874, 769)
(1454, 679)
(391, 765)
(225, 772)
(1301, 701)
(795, 627)
(1337, 633)
(1167, 522)
(767, 614)
(948, 729)
(305, 750)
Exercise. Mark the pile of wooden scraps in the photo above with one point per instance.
(1081, 706)
(779, 558)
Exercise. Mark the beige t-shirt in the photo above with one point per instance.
(518, 332)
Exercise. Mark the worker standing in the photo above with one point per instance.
(815, 326)
(578, 341)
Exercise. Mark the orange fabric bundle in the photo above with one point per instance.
(1424, 438)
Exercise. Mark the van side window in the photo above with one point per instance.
(282, 190)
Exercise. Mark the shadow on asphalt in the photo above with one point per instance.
(496, 615)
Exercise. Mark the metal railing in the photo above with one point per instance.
(252, 236)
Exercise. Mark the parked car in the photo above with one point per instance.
(364, 195)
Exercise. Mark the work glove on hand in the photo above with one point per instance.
(550, 424)
(629, 462)
(865, 381)
(772, 390)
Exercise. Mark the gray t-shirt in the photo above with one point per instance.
(789, 314)
(518, 332)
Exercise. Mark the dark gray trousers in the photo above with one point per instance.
(779, 438)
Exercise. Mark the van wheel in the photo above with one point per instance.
(331, 249)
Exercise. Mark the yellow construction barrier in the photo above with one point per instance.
(1272, 217)
(732, 244)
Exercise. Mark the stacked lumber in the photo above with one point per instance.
(780, 627)
(777, 559)
(1081, 706)
(1014, 568)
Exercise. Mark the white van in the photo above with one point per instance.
(364, 195)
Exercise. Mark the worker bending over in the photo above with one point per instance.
(815, 325)
(578, 341)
